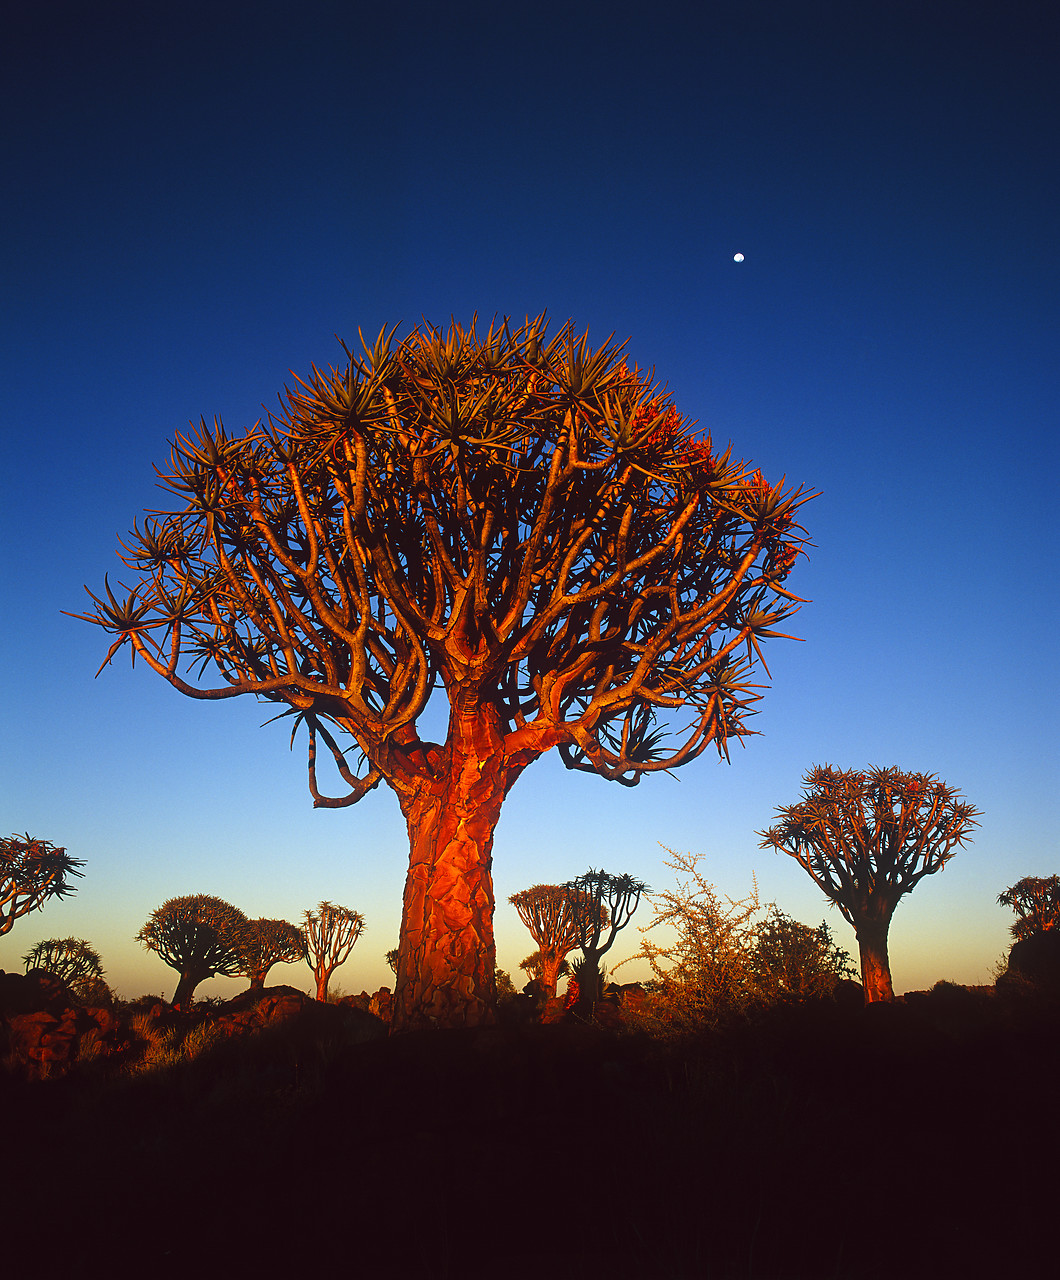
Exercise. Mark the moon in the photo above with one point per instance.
(737, 257)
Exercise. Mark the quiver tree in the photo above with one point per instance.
(199, 936)
(1036, 902)
(329, 935)
(520, 523)
(265, 943)
(547, 910)
(31, 872)
(867, 839)
(601, 905)
(71, 960)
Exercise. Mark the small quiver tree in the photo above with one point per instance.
(265, 943)
(199, 936)
(867, 838)
(73, 962)
(601, 904)
(1036, 902)
(517, 522)
(329, 933)
(31, 872)
(547, 910)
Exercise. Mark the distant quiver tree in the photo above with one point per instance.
(867, 838)
(1036, 902)
(198, 936)
(265, 943)
(71, 960)
(31, 872)
(329, 933)
(547, 910)
(517, 522)
(601, 905)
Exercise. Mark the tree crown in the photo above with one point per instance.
(868, 837)
(330, 933)
(549, 913)
(1036, 902)
(197, 934)
(31, 872)
(267, 942)
(598, 901)
(522, 520)
(72, 960)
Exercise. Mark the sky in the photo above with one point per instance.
(200, 197)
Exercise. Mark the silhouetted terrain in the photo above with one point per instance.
(915, 1139)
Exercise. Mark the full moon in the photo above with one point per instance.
(737, 257)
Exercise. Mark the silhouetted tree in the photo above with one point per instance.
(265, 943)
(794, 962)
(1036, 902)
(198, 936)
(31, 872)
(548, 913)
(524, 523)
(601, 905)
(867, 838)
(329, 937)
(71, 960)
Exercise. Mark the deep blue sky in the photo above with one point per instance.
(197, 201)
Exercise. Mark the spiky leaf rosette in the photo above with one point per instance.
(31, 872)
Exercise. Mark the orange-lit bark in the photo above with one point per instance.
(445, 975)
(875, 966)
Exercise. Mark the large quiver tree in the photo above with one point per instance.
(520, 521)
(867, 838)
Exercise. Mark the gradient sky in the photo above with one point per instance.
(198, 200)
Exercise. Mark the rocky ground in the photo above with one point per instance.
(910, 1140)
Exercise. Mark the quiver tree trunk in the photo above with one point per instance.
(447, 957)
(189, 980)
(550, 967)
(875, 966)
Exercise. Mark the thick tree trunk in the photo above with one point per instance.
(447, 957)
(322, 977)
(185, 988)
(590, 984)
(550, 963)
(875, 966)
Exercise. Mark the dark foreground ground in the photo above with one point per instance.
(914, 1140)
